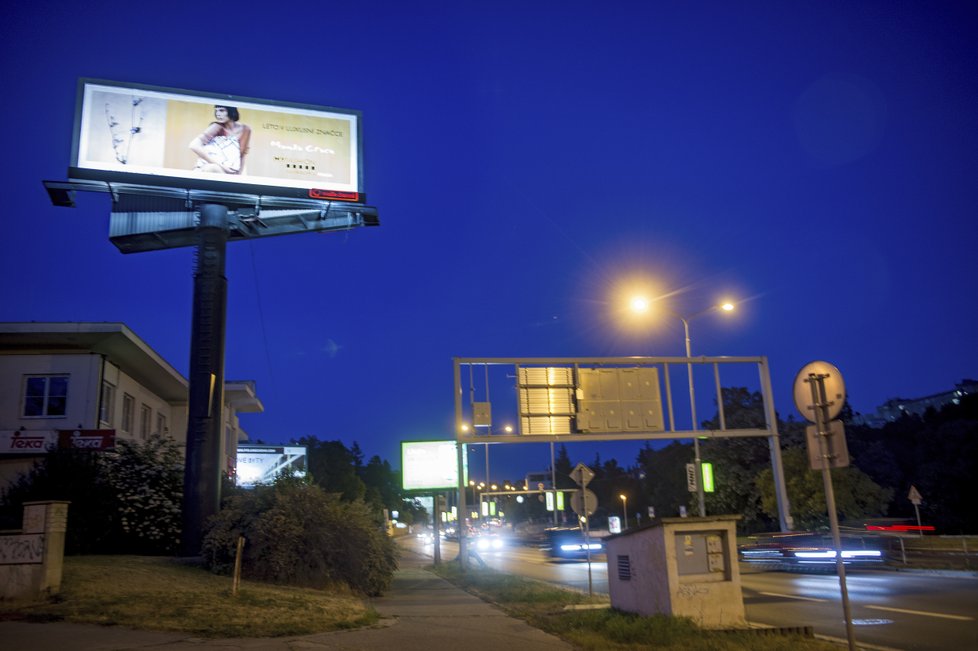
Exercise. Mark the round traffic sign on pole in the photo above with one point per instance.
(835, 389)
(582, 497)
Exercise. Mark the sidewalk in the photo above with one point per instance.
(421, 612)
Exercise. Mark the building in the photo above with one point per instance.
(89, 384)
(895, 408)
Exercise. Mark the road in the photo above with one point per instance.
(890, 610)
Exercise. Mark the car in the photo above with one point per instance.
(486, 542)
(570, 543)
(808, 550)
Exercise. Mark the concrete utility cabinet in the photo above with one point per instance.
(678, 566)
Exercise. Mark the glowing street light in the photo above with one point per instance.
(624, 509)
(640, 305)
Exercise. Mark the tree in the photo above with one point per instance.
(383, 484)
(332, 467)
(665, 477)
(856, 495)
(737, 461)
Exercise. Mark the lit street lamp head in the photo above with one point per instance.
(639, 304)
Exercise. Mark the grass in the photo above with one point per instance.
(166, 594)
(591, 624)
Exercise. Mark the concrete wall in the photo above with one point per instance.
(32, 560)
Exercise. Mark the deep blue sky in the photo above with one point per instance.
(819, 159)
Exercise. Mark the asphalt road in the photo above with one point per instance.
(890, 610)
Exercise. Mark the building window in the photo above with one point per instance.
(161, 423)
(145, 418)
(128, 412)
(45, 395)
(107, 406)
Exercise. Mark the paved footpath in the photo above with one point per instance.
(421, 612)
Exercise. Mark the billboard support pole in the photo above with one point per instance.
(205, 409)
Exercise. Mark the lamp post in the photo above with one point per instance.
(624, 509)
(700, 496)
(642, 305)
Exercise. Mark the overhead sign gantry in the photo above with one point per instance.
(587, 399)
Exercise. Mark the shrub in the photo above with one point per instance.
(126, 501)
(148, 480)
(299, 535)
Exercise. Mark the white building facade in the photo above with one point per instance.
(88, 384)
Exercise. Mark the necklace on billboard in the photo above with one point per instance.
(121, 144)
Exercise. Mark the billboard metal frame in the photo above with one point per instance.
(152, 218)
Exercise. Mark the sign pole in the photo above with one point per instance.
(436, 517)
(587, 545)
(820, 404)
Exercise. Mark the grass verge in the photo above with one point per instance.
(167, 594)
(601, 628)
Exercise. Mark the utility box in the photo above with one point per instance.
(678, 566)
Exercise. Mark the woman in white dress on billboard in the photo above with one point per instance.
(223, 144)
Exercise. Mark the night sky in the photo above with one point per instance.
(816, 162)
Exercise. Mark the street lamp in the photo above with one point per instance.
(624, 509)
(641, 304)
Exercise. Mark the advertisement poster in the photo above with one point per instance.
(261, 464)
(429, 465)
(163, 133)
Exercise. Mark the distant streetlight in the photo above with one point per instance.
(640, 304)
(624, 509)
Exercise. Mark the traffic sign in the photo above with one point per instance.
(582, 475)
(836, 448)
(835, 390)
(914, 496)
(583, 498)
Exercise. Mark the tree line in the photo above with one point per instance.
(935, 452)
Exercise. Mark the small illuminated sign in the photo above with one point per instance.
(429, 465)
(707, 477)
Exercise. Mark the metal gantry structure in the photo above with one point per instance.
(601, 399)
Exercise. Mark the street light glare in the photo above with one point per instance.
(639, 304)
(727, 307)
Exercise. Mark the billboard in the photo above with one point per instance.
(148, 135)
(261, 464)
(430, 465)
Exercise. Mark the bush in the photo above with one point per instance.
(148, 480)
(75, 476)
(126, 501)
(299, 535)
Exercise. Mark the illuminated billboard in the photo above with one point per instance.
(147, 135)
(261, 464)
(430, 465)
